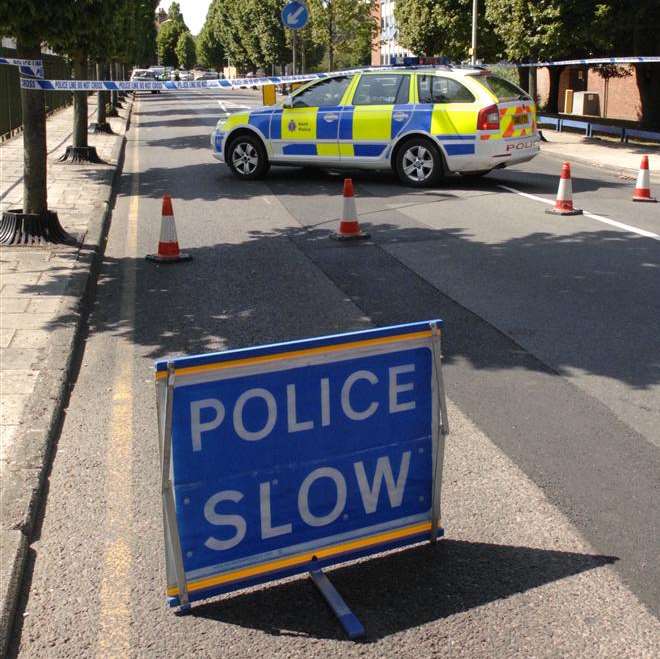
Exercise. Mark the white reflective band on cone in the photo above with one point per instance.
(349, 210)
(168, 229)
(565, 191)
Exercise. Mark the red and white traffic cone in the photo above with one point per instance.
(564, 202)
(168, 245)
(349, 227)
(643, 187)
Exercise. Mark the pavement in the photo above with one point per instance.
(41, 312)
(550, 496)
(602, 152)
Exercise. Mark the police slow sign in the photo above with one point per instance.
(282, 459)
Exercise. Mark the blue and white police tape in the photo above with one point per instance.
(594, 61)
(27, 67)
(157, 85)
(167, 85)
(234, 83)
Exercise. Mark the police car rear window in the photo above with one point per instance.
(502, 88)
(435, 89)
(387, 89)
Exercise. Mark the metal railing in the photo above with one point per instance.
(598, 125)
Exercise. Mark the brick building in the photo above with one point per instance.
(384, 45)
(619, 97)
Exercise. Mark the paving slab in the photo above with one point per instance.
(43, 295)
(607, 153)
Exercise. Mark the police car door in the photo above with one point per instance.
(453, 116)
(379, 112)
(307, 131)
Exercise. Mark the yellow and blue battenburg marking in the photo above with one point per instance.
(358, 131)
(290, 457)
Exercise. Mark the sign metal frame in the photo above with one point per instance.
(166, 378)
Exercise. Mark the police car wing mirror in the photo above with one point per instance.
(288, 102)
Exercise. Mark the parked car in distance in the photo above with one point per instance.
(206, 75)
(144, 75)
(185, 75)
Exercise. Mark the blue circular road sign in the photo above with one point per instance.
(295, 15)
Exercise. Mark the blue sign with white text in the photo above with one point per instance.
(303, 454)
(295, 15)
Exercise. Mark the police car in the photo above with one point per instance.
(421, 122)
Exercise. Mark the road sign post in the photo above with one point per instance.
(295, 16)
(283, 459)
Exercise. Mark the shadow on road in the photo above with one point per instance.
(212, 303)
(402, 590)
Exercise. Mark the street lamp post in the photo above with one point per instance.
(475, 10)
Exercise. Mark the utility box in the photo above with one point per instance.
(586, 103)
(568, 101)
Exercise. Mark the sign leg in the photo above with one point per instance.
(352, 626)
(440, 431)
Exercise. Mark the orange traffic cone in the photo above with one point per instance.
(168, 245)
(349, 227)
(564, 202)
(643, 187)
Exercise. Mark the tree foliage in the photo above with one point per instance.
(210, 51)
(544, 29)
(345, 29)
(186, 53)
(167, 40)
(444, 27)
(249, 31)
(174, 14)
(139, 33)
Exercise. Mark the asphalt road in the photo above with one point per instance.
(553, 369)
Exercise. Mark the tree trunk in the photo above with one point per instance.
(553, 94)
(532, 86)
(101, 97)
(114, 96)
(35, 198)
(79, 104)
(649, 92)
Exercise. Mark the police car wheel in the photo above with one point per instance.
(247, 158)
(418, 163)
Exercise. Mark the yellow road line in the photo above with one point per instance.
(247, 361)
(114, 635)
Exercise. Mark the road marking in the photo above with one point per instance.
(228, 109)
(114, 635)
(593, 216)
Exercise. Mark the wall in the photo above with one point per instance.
(375, 42)
(622, 102)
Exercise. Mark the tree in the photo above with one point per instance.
(545, 30)
(167, 40)
(89, 20)
(34, 23)
(186, 54)
(444, 27)
(139, 33)
(168, 35)
(174, 14)
(250, 32)
(210, 51)
(344, 28)
(619, 28)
